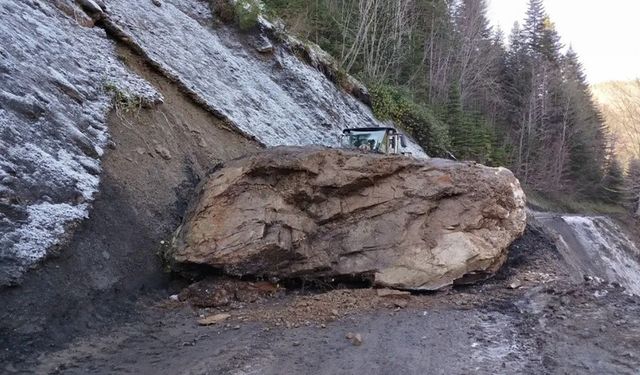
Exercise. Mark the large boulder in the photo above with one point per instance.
(301, 212)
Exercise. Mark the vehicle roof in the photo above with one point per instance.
(369, 129)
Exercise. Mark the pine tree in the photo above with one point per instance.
(547, 159)
(475, 52)
(549, 45)
(458, 126)
(632, 186)
(587, 139)
(481, 140)
(613, 183)
(515, 77)
(523, 103)
(534, 24)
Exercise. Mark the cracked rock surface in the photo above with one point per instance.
(410, 223)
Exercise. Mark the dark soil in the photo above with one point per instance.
(112, 258)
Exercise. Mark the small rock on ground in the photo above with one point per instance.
(213, 319)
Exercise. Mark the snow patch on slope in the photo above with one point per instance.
(279, 100)
(46, 226)
(53, 105)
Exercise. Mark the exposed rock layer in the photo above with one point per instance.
(413, 224)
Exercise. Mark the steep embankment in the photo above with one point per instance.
(108, 132)
(594, 246)
(51, 171)
(53, 126)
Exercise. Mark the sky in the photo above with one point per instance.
(604, 33)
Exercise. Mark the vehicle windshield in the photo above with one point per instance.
(369, 140)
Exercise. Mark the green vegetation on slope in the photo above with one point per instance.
(437, 69)
(243, 13)
(418, 120)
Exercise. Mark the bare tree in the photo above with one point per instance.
(475, 52)
(620, 103)
(374, 33)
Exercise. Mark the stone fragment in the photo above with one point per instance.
(163, 152)
(213, 319)
(515, 284)
(393, 293)
(401, 303)
(355, 338)
(219, 292)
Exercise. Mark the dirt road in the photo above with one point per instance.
(531, 318)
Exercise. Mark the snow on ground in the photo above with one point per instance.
(53, 103)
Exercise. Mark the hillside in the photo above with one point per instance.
(271, 99)
(619, 102)
(150, 222)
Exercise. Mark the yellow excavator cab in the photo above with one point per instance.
(379, 140)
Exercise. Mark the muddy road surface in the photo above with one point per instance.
(531, 318)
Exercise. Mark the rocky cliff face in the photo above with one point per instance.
(300, 212)
(60, 74)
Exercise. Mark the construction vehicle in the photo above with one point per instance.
(377, 140)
